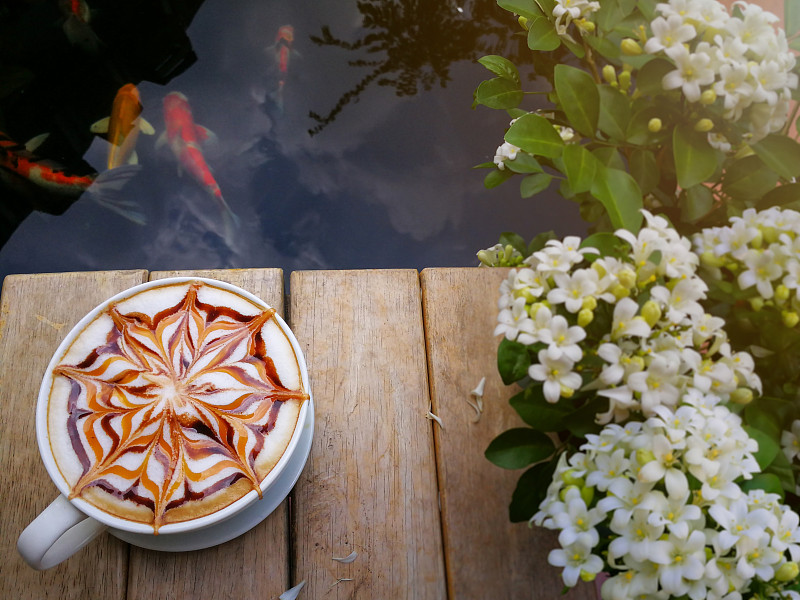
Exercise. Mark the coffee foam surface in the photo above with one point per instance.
(118, 417)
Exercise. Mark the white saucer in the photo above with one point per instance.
(241, 522)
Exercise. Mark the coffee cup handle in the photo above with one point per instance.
(56, 534)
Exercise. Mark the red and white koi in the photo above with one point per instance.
(184, 138)
(21, 161)
(77, 26)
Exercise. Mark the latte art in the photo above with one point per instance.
(174, 403)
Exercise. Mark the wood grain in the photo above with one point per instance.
(486, 555)
(254, 565)
(370, 483)
(36, 313)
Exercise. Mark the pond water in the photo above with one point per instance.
(346, 143)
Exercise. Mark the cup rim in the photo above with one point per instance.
(120, 523)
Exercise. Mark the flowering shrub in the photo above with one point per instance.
(654, 480)
(679, 106)
(664, 537)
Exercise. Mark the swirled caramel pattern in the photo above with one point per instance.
(174, 407)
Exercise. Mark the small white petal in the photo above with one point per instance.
(291, 594)
(347, 559)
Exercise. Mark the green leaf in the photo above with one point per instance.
(534, 134)
(695, 160)
(604, 242)
(513, 360)
(648, 81)
(515, 241)
(519, 447)
(780, 196)
(531, 490)
(696, 202)
(615, 112)
(604, 47)
(496, 177)
(644, 169)
(580, 167)
(583, 420)
(768, 448)
(781, 154)
(501, 66)
(542, 35)
(782, 468)
(578, 97)
(524, 163)
(763, 481)
(539, 242)
(498, 93)
(526, 8)
(534, 184)
(791, 17)
(537, 412)
(749, 179)
(621, 197)
(609, 157)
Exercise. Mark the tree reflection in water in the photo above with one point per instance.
(417, 41)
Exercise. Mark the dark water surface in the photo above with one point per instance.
(367, 165)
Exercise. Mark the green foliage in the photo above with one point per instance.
(519, 447)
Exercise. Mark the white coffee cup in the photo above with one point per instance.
(67, 525)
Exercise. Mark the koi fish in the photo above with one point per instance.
(283, 51)
(76, 24)
(122, 127)
(184, 138)
(20, 161)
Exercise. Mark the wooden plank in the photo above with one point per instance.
(254, 565)
(36, 313)
(370, 483)
(486, 555)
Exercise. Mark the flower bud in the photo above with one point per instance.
(620, 291)
(630, 47)
(708, 97)
(523, 21)
(654, 125)
(790, 318)
(587, 493)
(787, 571)
(566, 392)
(589, 302)
(782, 293)
(588, 576)
(651, 312)
(626, 277)
(771, 234)
(637, 362)
(570, 478)
(704, 125)
(585, 316)
(563, 493)
(756, 303)
(742, 396)
(586, 25)
(644, 456)
(710, 259)
(625, 81)
(609, 74)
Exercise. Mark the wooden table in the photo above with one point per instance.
(426, 512)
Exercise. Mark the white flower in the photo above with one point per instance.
(684, 566)
(669, 32)
(514, 322)
(762, 269)
(665, 465)
(576, 521)
(505, 151)
(571, 289)
(626, 322)
(756, 557)
(656, 384)
(562, 339)
(555, 373)
(790, 441)
(575, 559)
(693, 72)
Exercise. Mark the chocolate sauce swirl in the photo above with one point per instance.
(174, 407)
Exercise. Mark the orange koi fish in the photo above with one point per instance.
(283, 51)
(184, 137)
(122, 127)
(19, 160)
